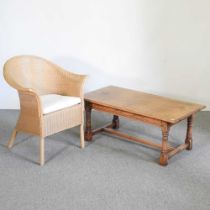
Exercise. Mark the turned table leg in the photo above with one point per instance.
(115, 122)
(88, 130)
(164, 149)
(188, 139)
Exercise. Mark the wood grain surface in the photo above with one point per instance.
(145, 104)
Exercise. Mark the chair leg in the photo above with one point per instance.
(12, 138)
(41, 155)
(82, 142)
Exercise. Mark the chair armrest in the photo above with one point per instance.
(30, 103)
(72, 84)
(30, 118)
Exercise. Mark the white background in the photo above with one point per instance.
(158, 46)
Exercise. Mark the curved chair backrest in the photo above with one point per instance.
(32, 72)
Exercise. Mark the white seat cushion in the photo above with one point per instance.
(54, 102)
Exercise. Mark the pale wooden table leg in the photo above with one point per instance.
(188, 139)
(12, 138)
(115, 122)
(82, 142)
(88, 130)
(164, 149)
(41, 157)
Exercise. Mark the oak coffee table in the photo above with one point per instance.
(156, 110)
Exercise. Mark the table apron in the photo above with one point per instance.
(126, 114)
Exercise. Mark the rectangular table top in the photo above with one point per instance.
(145, 104)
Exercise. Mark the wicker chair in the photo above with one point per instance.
(51, 99)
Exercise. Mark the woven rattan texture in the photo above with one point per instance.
(63, 119)
(33, 76)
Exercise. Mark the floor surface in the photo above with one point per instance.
(109, 174)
